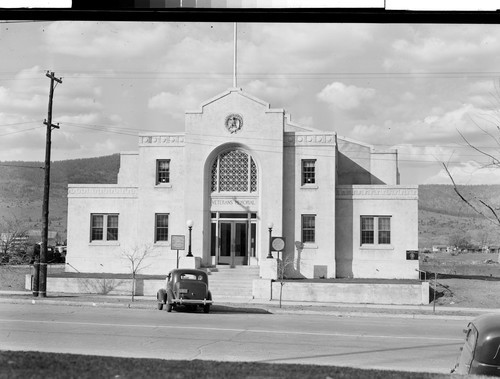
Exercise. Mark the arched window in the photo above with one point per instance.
(234, 171)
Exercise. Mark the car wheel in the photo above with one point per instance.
(169, 304)
(160, 306)
(206, 308)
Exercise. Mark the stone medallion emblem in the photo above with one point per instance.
(234, 123)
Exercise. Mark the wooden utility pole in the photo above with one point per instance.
(42, 282)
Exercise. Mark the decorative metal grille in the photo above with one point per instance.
(214, 176)
(253, 176)
(234, 171)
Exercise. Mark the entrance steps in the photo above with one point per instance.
(232, 283)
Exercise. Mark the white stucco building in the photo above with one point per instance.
(239, 167)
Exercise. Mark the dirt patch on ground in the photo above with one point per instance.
(467, 293)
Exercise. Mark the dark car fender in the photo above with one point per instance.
(161, 296)
(169, 296)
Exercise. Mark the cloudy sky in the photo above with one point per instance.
(415, 88)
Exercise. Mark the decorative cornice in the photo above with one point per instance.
(376, 192)
(162, 140)
(101, 191)
(309, 139)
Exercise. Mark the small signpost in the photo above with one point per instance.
(178, 242)
(278, 244)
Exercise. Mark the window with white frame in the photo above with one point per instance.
(161, 227)
(308, 171)
(308, 228)
(375, 230)
(104, 227)
(162, 171)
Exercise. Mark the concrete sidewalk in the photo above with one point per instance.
(239, 305)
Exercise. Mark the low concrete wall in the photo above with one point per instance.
(264, 289)
(100, 286)
(353, 293)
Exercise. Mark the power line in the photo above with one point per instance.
(20, 131)
(253, 75)
(19, 123)
(133, 132)
(20, 166)
(113, 130)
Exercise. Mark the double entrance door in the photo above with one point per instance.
(236, 239)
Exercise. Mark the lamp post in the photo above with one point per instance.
(189, 224)
(270, 228)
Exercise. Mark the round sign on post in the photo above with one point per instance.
(278, 243)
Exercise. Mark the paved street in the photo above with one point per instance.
(379, 342)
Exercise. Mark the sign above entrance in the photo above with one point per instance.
(234, 122)
(234, 204)
(278, 243)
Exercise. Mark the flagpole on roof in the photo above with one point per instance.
(235, 83)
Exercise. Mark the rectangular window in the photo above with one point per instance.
(162, 171)
(367, 230)
(104, 227)
(375, 230)
(384, 230)
(112, 229)
(308, 228)
(97, 228)
(161, 227)
(308, 171)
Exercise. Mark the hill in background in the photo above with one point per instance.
(441, 213)
(21, 187)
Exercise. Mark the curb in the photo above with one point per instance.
(462, 314)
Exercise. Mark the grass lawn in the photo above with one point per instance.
(15, 365)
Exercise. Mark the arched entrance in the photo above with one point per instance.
(233, 208)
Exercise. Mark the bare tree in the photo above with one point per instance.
(491, 160)
(283, 265)
(481, 206)
(13, 240)
(136, 257)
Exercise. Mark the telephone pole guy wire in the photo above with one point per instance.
(40, 277)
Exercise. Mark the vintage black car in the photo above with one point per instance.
(481, 351)
(185, 287)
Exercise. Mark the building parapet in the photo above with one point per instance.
(376, 192)
(177, 139)
(310, 139)
(101, 191)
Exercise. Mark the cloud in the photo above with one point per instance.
(444, 48)
(168, 103)
(190, 97)
(467, 173)
(272, 91)
(111, 40)
(345, 97)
